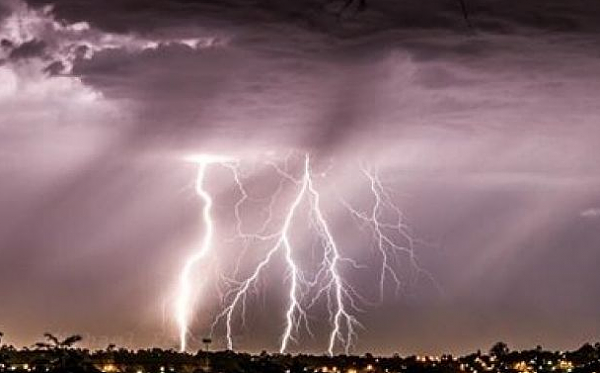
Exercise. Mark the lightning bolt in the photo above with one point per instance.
(185, 298)
(328, 279)
(391, 237)
(282, 243)
(342, 293)
(386, 235)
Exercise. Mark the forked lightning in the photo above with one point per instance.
(305, 289)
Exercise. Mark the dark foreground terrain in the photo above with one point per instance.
(61, 355)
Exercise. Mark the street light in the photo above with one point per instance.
(207, 342)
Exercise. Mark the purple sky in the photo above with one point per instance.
(488, 138)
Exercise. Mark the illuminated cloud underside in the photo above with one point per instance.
(36, 33)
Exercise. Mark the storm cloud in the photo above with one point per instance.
(488, 135)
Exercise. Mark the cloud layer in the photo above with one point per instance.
(489, 138)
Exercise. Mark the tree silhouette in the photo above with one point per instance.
(60, 349)
(499, 349)
(52, 339)
(1, 349)
(70, 341)
(54, 342)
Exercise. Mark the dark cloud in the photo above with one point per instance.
(55, 68)
(324, 16)
(6, 44)
(4, 11)
(29, 49)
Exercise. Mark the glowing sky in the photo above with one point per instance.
(488, 138)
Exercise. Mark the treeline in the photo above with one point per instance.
(54, 354)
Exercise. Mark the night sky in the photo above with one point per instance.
(488, 138)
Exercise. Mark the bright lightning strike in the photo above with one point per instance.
(294, 310)
(304, 290)
(184, 299)
(339, 313)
